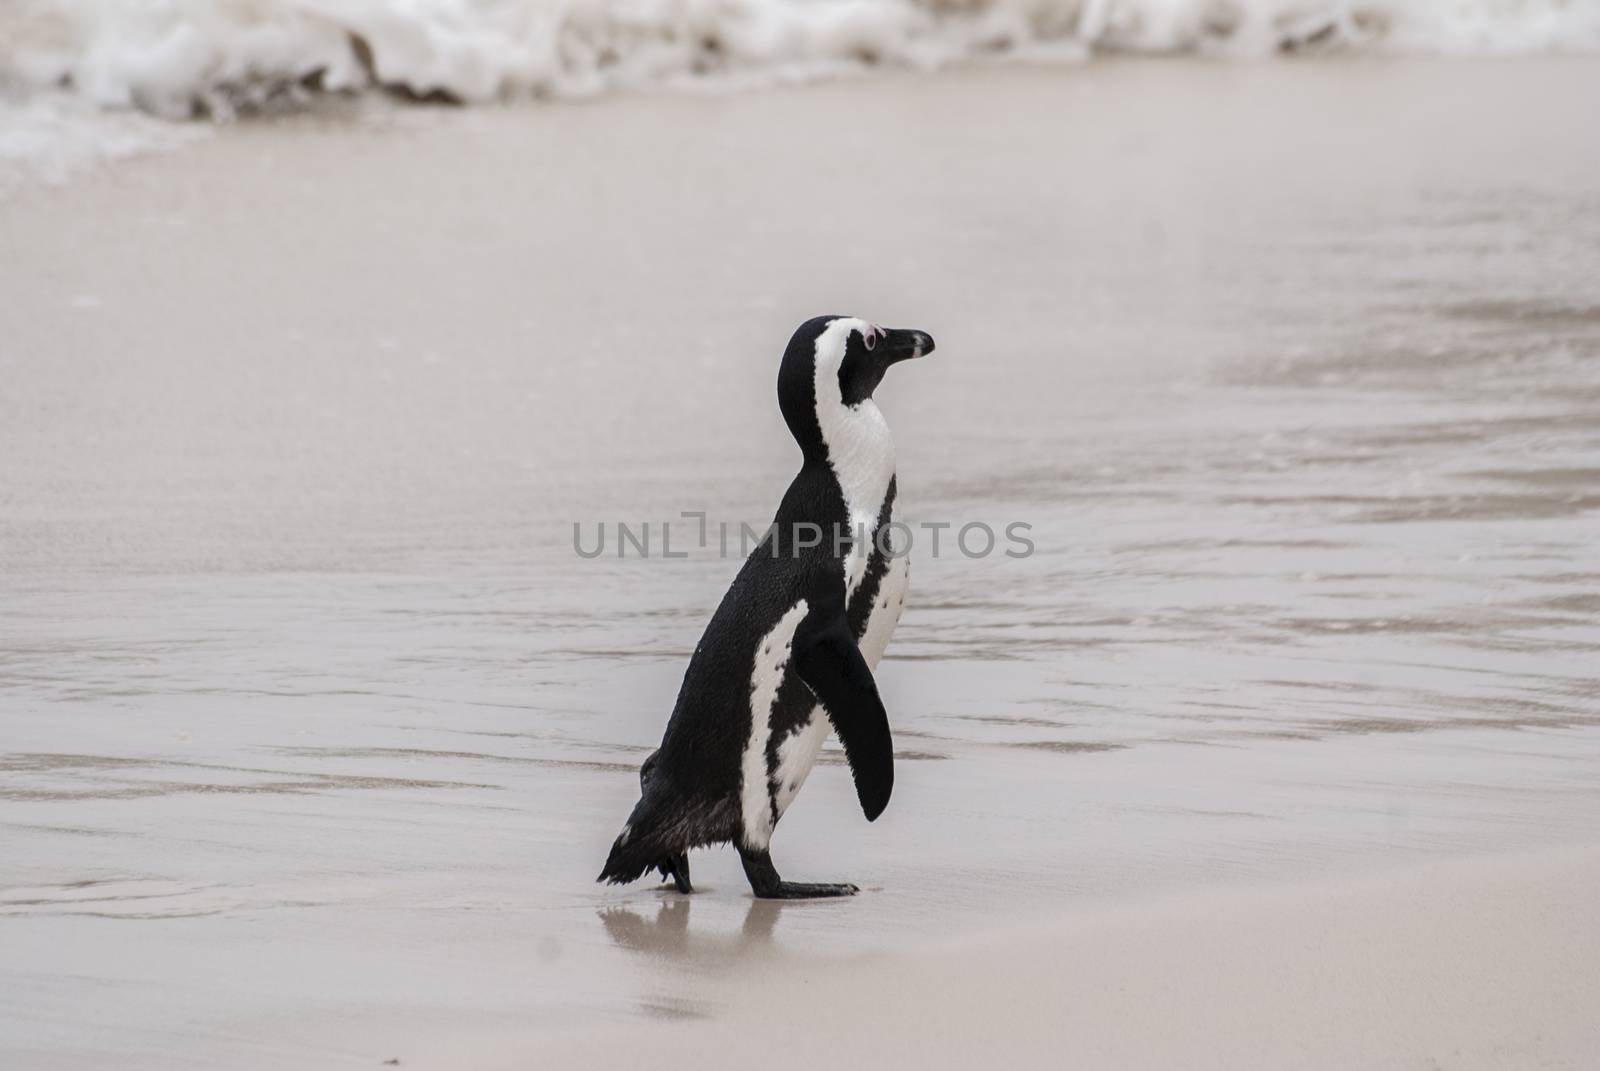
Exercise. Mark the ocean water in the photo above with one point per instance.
(315, 728)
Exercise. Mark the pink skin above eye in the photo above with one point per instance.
(871, 334)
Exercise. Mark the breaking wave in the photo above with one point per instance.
(182, 58)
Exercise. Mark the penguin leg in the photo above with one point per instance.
(676, 867)
(680, 872)
(765, 883)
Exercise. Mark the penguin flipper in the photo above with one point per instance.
(828, 660)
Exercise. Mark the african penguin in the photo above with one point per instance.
(791, 649)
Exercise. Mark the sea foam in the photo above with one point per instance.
(182, 58)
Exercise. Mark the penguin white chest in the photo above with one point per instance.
(861, 455)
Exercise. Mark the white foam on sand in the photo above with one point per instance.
(187, 57)
(47, 139)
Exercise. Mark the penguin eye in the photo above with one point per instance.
(869, 338)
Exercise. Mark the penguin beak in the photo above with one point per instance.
(902, 344)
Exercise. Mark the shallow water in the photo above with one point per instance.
(316, 728)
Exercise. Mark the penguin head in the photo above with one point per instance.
(834, 363)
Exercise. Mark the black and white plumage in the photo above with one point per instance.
(791, 649)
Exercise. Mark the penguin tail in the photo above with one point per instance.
(661, 830)
(641, 845)
(630, 857)
(627, 862)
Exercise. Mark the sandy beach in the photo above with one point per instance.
(1281, 750)
(1484, 963)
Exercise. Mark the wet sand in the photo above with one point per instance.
(1484, 963)
(315, 728)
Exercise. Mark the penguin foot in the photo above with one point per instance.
(807, 890)
(766, 884)
(676, 867)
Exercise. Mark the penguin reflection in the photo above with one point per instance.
(668, 936)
